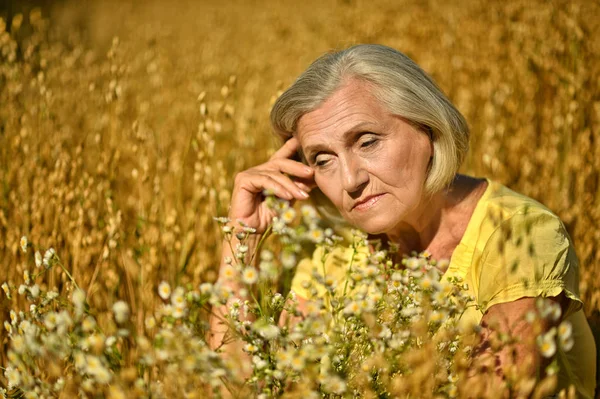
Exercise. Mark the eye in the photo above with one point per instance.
(368, 143)
(368, 140)
(321, 163)
(321, 160)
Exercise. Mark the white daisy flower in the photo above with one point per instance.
(164, 290)
(547, 344)
(121, 311)
(249, 275)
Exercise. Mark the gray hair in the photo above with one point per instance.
(401, 86)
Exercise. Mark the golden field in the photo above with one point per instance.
(122, 124)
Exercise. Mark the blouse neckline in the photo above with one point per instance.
(461, 257)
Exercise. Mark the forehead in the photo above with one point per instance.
(351, 105)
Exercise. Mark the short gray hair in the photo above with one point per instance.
(400, 84)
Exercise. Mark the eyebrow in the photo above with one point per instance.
(312, 151)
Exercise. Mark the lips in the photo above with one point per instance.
(367, 202)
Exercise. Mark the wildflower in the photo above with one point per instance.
(49, 257)
(178, 312)
(34, 291)
(150, 322)
(51, 295)
(7, 327)
(59, 385)
(278, 225)
(288, 215)
(94, 367)
(353, 308)
(164, 290)
(249, 275)
(22, 289)
(88, 324)
(283, 357)
(288, 260)
(13, 376)
(250, 348)
(229, 272)
(63, 322)
(205, 288)
(266, 255)
(94, 342)
(78, 299)
(222, 220)
(316, 235)
(385, 333)
(268, 331)
(26, 277)
(277, 299)
(50, 320)
(412, 263)
(565, 335)
(13, 317)
(121, 311)
(309, 213)
(548, 309)
(530, 317)
(297, 362)
(438, 316)
(110, 341)
(178, 298)
(335, 385)
(23, 244)
(6, 290)
(167, 310)
(547, 344)
(18, 345)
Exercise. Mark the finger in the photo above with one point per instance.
(288, 149)
(291, 167)
(289, 185)
(308, 183)
(256, 183)
(302, 186)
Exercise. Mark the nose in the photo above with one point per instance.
(354, 176)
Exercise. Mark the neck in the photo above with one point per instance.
(439, 223)
(420, 231)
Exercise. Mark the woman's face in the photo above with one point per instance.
(370, 163)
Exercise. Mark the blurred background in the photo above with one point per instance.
(122, 123)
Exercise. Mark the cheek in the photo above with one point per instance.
(329, 187)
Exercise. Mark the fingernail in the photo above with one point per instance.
(308, 170)
(303, 194)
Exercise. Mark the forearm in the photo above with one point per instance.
(230, 280)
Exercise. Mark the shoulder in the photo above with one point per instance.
(523, 250)
(509, 217)
(503, 203)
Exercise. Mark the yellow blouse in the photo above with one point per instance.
(513, 247)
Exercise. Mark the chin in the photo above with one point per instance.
(375, 226)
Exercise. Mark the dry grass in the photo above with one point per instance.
(119, 152)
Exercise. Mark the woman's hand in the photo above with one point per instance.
(247, 200)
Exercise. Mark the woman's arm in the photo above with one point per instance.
(522, 356)
(248, 206)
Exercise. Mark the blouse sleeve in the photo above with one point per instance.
(528, 255)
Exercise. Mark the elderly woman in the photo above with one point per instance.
(381, 146)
